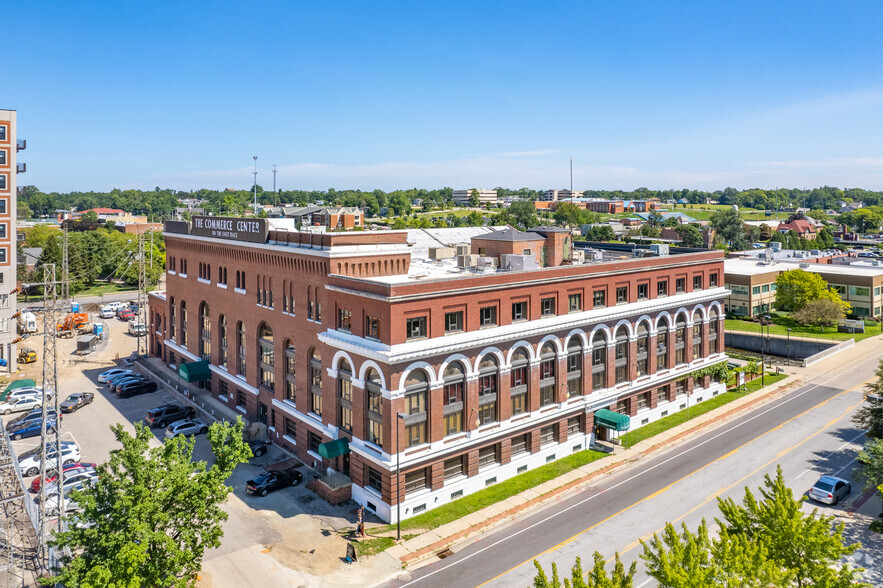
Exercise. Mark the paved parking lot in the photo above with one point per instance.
(289, 538)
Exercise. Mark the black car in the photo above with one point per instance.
(168, 414)
(77, 400)
(34, 415)
(126, 381)
(266, 482)
(135, 388)
(258, 447)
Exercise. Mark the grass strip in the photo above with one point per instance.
(781, 324)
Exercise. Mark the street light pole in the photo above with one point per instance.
(789, 345)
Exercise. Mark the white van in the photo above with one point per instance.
(137, 329)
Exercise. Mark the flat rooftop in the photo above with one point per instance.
(751, 267)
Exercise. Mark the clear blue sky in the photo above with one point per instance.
(391, 95)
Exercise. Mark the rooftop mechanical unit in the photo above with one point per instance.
(438, 253)
(467, 260)
(513, 262)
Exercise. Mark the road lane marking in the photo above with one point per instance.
(565, 542)
(741, 422)
(850, 442)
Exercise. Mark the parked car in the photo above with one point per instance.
(113, 306)
(30, 460)
(106, 312)
(34, 415)
(186, 427)
(258, 447)
(117, 384)
(77, 400)
(20, 403)
(109, 380)
(30, 391)
(266, 482)
(32, 428)
(103, 376)
(78, 483)
(830, 490)
(127, 315)
(168, 413)
(137, 329)
(52, 474)
(135, 388)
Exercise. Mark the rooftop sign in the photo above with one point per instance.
(253, 230)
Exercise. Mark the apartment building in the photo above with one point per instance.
(428, 364)
(464, 197)
(9, 169)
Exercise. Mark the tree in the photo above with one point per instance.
(596, 578)
(524, 214)
(870, 415)
(730, 228)
(766, 542)
(151, 513)
(399, 223)
(474, 199)
(601, 233)
(821, 313)
(690, 235)
(870, 470)
(752, 368)
(796, 288)
(569, 214)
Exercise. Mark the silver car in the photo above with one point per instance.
(186, 427)
(830, 490)
(20, 403)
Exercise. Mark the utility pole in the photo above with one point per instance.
(255, 185)
(275, 194)
(65, 268)
(571, 177)
(50, 382)
(142, 295)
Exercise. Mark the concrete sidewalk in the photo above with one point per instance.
(424, 547)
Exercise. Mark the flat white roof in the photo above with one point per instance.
(748, 267)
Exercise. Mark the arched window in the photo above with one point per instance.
(316, 382)
(519, 380)
(713, 328)
(416, 408)
(599, 361)
(374, 393)
(290, 381)
(643, 346)
(574, 367)
(172, 322)
(454, 392)
(240, 349)
(345, 396)
(222, 341)
(621, 355)
(680, 339)
(697, 335)
(266, 357)
(183, 318)
(548, 359)
(205, 332)
(662, 346)
(488, 386)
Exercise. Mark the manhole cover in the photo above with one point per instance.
(326, 532)
(445, 553)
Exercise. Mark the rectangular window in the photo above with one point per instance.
(375, 480)
(488, 316)
(840, 289)
(3, 133)
(519, 445)
(643, 291)
(712, 280)
(416, 327)
(548, 306)
(2, 181)
(240, 398)
(2, 230)
(314, 441)
(662, 288)
(454, 467)
(290, 429)
(755, 290)
(372, 327)
(454, 322)
(681, 285)
(344, 319)
(547, 435)
(2, 156)
(765, 288)
(415, 481)
(222, 389)
(574, 302)
(519, 311)
(487, 456)
(662, 394)
(519, 403)
(599, 299)
(573, 427)
(644, 400)
(697, 282)
(622, 294)
(859, 291)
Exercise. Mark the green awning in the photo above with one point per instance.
(195, 371)
(334, 448)
(612, 420)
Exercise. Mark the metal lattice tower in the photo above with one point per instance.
(142, 293)
(49, 437)
(65, 275)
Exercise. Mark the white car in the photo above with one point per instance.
(137, 329)
(30, 391)
(102, 377)
(106, 312)
(114, 306)
(29, 462)
(186, 427)
(20, 403)
(76, 482)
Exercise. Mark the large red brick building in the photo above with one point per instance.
(491, 370)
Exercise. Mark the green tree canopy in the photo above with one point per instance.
(796, 288)
(524, 214)
(151, 514)
(823, 312)
(597, 577)
(730, 228)
(870, 415)
(690, 235)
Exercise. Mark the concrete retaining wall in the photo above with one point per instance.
(804, 352)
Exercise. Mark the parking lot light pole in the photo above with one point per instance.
(399, 417)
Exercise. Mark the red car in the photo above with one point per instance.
(127, 315)
(52, 475)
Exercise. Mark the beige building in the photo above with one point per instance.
(9, 167)
(556, 195)
(464, 197)
(753, 285)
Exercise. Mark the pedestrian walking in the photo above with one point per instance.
(361, 526)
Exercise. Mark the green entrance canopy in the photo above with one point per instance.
(195, 371)
(334, 448)
(611, 420)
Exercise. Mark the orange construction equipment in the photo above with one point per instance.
(71, 322)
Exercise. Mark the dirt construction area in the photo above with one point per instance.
(289, 538)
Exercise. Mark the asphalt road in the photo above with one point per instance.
(808, 432)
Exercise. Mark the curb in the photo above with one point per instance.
(421, 554)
